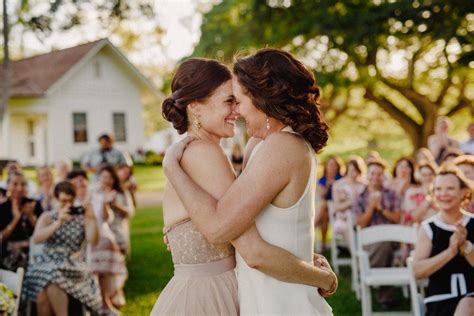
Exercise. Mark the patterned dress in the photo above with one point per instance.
(59, 263)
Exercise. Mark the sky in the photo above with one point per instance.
(180, 20)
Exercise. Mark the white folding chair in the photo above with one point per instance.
(353, 248)
(417, 296)
(14, 281)
(376, 277)
(335, 260)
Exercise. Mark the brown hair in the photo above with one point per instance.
(411, 164)
(65, 187)
(195, 80)
(377, 162)
(117, 186)
(341, 169)
(283, 88)
(358, 163)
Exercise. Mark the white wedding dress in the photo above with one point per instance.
(291, 229)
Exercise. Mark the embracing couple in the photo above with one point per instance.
(267, 213)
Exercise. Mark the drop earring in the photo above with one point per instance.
(267, 122)
(197, 124)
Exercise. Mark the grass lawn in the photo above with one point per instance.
(150, 178)
(150, 268)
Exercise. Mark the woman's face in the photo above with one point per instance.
(442, 127)
(216, 114)
(403, 170)
(80, 183)
(254, 118)
(45, 177)
(352, 172)
(448, 193)
(17, 187)
(123, 173)
(426, 175)
(331, 167)
(65, 200)
(106, 180)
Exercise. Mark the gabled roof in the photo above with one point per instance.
(34, 76)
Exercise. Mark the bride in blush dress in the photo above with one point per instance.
(204, 283)
(274, 195)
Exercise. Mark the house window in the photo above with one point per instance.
(120, 130)
(80, 127)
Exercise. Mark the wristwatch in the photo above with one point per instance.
(468, 248)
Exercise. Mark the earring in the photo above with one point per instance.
(197, 124)
(267, 122)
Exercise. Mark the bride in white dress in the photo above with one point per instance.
(277, 97)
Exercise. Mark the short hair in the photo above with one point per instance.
(76, 173)
(106, 137)
(377, 162)
(65, 187)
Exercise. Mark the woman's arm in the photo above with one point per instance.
(8, 230)
(45, 228)
(223, 219)
(119, 206)
(211, 169)
(281, 264)
(341, 203)
(90, 225)
(423, 264)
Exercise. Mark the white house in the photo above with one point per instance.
(61, 101)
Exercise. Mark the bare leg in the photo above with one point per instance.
(108, 289)
(42, 304)
(58, 299)
(465, 307)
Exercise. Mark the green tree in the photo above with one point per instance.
(414, 59)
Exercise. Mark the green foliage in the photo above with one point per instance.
(149, 178)
(352, 45)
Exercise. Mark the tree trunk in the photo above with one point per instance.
(5, 64)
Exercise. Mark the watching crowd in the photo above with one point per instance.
(70, 234)
(432, 191)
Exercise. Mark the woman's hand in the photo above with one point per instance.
(16, 212)
(63, 215)
(175, 153)
(321, 262)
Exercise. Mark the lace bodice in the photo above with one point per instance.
(189, 246)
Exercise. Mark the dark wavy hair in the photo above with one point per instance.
(411, 164)
(117, 186)
(195, 80)
(283, 88)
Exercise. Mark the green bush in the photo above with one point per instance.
(153, 159)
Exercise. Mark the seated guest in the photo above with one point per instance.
(403, 177)
(78, 178)
(417, 204)
(440, 141)
(18, 216)
(444, 251)
(468, 146)
(333, 171)
(375, 206)
(14, 166)
(465, 163)
(108, 256)
(345, 192)
(63, 167)
(57, 271)
(128, 181)
(44, 194)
